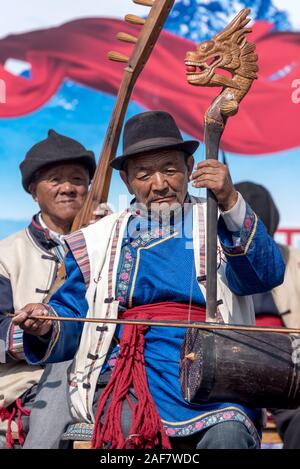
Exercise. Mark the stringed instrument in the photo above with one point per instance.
(143, 46)
(258, 369)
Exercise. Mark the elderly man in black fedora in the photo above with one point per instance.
(56, 172)
(149, 263)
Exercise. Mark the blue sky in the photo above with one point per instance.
(278, 172)
(84, 113)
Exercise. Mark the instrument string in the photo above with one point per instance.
(193, 270)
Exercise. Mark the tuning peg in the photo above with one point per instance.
(147, 3)
(126, 37)
(117, 57)
(133, 19)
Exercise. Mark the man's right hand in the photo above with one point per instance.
(24, 318)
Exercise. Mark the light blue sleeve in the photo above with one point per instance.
(63, 340)
(254, 263)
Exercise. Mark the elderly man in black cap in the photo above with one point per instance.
(148, 263)
(57, 173)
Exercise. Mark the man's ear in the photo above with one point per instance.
(32, 190)
(124, 178)
(190, 162)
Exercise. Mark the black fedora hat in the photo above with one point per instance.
(149, 131)
(53, 150)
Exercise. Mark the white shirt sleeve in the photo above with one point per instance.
(234, 218)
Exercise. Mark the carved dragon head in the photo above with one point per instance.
(228, 50)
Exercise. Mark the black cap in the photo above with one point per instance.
(55, 149)
(152, 130)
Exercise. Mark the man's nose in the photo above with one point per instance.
(67, 187)
(159, 182)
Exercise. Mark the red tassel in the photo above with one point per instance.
(9, 414)
(5, 414)
(146, 430)
(21, 411)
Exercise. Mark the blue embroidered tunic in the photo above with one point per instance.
(153, 269)
(156, 265)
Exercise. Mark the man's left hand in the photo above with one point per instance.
(213, 175)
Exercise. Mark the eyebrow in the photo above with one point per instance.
(170, 163)
(143, 168)
(149, 168)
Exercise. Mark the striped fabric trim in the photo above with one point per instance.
(55, 332)
(113, 254)
(60, 252)
(246, 236)
(111, 294)
(15, 342)
(77, 244)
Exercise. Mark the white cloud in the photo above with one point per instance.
(20, 16)
(16, 67)
(60, 101)
(293, 8)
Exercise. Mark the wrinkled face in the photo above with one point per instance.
(158, 178)
(201, 65)
(60, 191)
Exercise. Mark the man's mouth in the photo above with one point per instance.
(163, 199)
(67, 201)
(171, 199)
